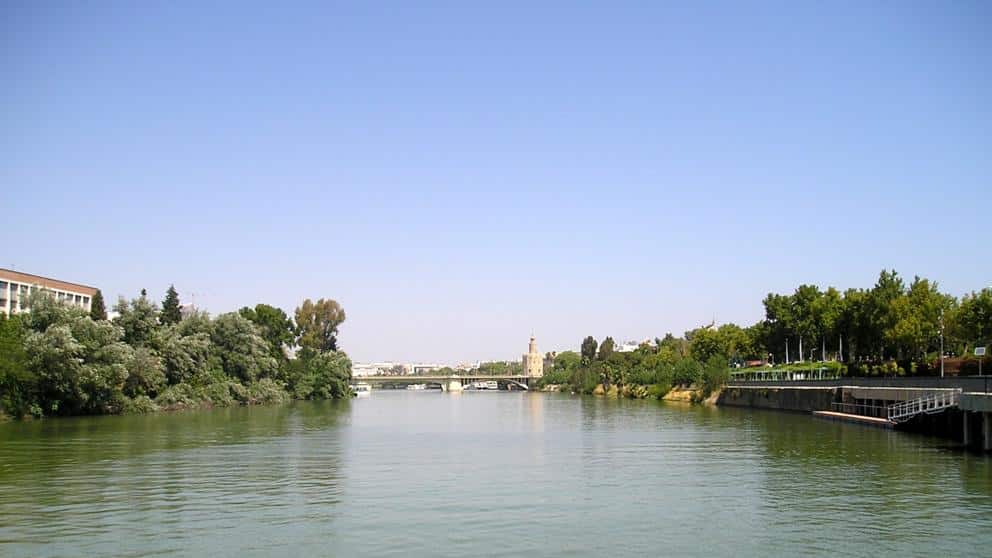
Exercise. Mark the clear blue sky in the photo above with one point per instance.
(459, 175)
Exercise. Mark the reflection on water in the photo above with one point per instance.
(430, 474)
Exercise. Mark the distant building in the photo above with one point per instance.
(422, 368)
(533, 361)
(628, 347)
(15, 287)
(358, 369)
(187, 310)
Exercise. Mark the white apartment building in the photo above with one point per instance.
(15, 287)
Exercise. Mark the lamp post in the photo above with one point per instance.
(942, 343)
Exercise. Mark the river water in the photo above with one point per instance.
(485, 474)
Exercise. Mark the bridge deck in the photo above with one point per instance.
(472, 378)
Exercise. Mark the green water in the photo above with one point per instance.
(485, 474)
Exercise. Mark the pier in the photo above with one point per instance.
(958, 408)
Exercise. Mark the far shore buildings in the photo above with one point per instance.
(15, 287)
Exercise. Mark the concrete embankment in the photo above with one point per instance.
(791, 398)
(914, 402)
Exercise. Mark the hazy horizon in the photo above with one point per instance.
(459, 177)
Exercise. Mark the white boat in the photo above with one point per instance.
(362, 389)
(491, 384)
(416, 387)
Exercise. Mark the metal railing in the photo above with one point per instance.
(878, 411)
(935, 402)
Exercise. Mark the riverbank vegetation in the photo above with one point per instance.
(651, 370)
(889, 329)
(60, 360)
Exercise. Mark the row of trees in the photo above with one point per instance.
(60, 360)
(891, 327)
(889, 322)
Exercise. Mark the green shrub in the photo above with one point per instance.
(687, 372)
(140, 405)
(266, 392)
(715, 374)
(584, 380)
(179, 396)
(659, 391)
(555, 377)
(218, 393)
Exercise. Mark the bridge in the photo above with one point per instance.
(456, 382)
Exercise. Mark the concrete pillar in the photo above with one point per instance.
(986, 432)
(965, 438)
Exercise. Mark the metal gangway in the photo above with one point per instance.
(929, 404)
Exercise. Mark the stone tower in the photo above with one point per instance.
(533, 360)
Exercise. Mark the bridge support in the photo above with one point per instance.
(454, 386)
(986, 431)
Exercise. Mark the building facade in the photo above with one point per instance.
(533, 361)
(16, 287)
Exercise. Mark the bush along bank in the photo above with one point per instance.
(59, 360)
(651, 371)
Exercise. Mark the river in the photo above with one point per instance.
(485, 474)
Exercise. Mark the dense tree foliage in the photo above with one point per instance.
(58, 360)
(17, 385)
(276, 328)
(890, 328)
(890, 321)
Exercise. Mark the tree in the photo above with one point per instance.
(733, 342)
(98, 309)
(881, 298)
(185, 353)
(687, 372)
(715, 374)
(804, 302)
(146, 375)
(588, 349)
(276, 327)
(704, 343)
(18, 385)
(781, 325)
(80, 365)
(170, 307)
(240, 348)
(973, 319)
(827, 311)
(673, 349)
(566, 361)
(854, 324)
(318, 323)
(916, 318)
(606, 348)
(139, 319)
(314, 375)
